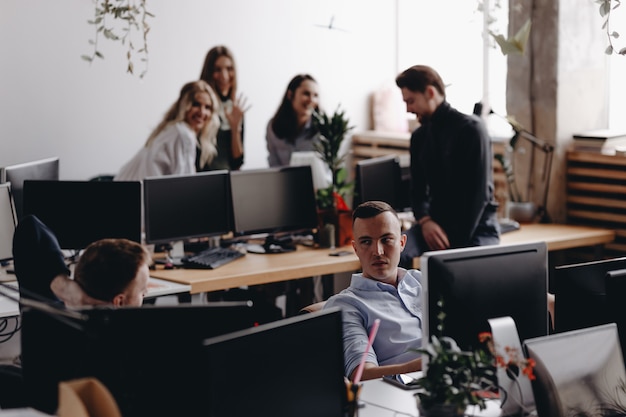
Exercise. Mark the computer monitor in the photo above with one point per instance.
(292, 367)
(42, 169)
(183, 207)
(273, 201)
(580, 293)
(578, 373)
(7, 222)
(378, 179)
(615, 282)
(472, 285)
(81, 212)
(151, 358)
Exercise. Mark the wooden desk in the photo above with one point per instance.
(556, 236)
(254, 269)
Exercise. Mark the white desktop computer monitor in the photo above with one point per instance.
(322, 177)
(579, 373)
(8, 221)
(41, 169)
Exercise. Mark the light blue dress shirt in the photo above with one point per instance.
(399, 311)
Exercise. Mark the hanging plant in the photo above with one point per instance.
(122, 20)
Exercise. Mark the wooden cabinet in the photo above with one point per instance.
(596, 194)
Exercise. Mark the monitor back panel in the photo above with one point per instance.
(378, 179)
(579, 373)
(293, 367)
(150, 358)
(580, 294)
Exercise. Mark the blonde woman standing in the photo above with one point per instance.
(188, 129)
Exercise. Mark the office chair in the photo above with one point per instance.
(312, 308)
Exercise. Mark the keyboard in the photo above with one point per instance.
(211, 258)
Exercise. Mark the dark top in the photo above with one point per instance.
(452, 175)
(37, 258)
(224, 158)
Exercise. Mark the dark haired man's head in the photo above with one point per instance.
(422, 90)
(378, 240)
(115, 271)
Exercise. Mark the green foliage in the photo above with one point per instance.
(454, 377)
(332, 132)
(119, 20)
(517, 43)
(606, 7)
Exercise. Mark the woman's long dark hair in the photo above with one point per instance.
(285, 121)
(209, 67)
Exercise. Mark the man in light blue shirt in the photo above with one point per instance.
(382, 291)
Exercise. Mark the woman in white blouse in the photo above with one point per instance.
(189, 127)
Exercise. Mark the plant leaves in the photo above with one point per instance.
(516, 44)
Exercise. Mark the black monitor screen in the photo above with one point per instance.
(150, 358)
(580, 293)
(7, 222)
(615, 289)
(43, 169)
(81, 212)
(472, 285)
(292, 367)
(378, 179)
(273, 200)
(185, 207)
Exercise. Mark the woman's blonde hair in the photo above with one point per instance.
(207, 138)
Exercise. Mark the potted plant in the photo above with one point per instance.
(331, 201)
(455, 379)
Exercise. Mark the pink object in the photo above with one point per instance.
(359, 370)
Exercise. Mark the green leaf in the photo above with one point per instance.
(516, 44)
(605, 8)
(609, 50)
(622, 51)
(87, 58)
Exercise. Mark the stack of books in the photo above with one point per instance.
(601, 140)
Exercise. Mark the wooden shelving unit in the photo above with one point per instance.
(371, 143)
(596, 194)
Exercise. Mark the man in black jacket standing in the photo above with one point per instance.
(452, 191)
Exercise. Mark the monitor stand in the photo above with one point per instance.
(175, 254)
(272, 245)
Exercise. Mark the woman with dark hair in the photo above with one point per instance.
(186, 133)
(291, 129)
(220, 72)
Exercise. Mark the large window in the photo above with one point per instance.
(448, 36)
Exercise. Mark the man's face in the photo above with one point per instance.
(378, 242)
(417, 103)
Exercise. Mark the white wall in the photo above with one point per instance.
(95, 117)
